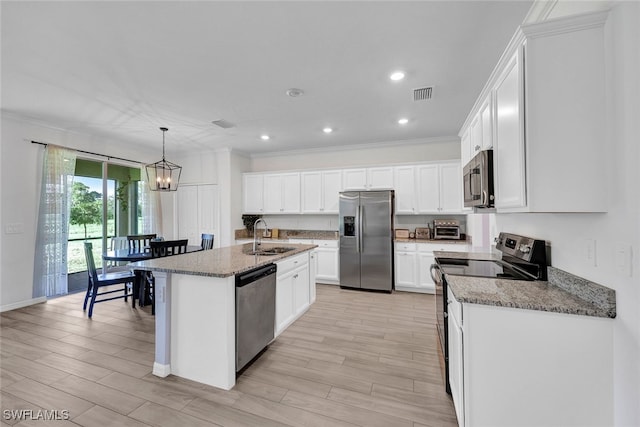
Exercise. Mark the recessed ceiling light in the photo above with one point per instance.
(265, 137)
(327, 130)
(294, 92)
(397, 75)
(403, 121)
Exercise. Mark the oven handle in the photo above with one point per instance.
(431, 272)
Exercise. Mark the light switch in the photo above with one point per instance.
(590, 252)
(14, 228)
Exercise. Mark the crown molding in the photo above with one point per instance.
(566, 24)
(539, 11)
(372, 145)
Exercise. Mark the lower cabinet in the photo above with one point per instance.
(294, 291)
(328, 261)
(517, 367)
(413, 262)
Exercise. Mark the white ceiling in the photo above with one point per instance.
(120, 70)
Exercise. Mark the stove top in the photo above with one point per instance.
(482, 268)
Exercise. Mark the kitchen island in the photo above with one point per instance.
(195, 307)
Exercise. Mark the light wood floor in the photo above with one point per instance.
(355, 358)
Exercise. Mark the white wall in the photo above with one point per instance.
(20, 177)
(364, 155)
(620, 226)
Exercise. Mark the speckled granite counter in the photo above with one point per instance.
(562, 293)
(438, 241)
(284, 234)
(222, 262)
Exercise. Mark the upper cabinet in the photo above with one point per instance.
(542, 112)
(253, 193)
(439, 188)
(405, 190)
(378, 178)
(282, 193)
(320, 191)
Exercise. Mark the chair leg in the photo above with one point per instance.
(93, 300)
(86, 297)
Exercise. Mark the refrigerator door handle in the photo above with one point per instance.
(360, 228)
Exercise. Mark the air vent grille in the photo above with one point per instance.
(224, 124)
(422, 93)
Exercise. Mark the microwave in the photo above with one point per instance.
(477, 177)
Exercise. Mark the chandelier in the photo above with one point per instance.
(163, 175)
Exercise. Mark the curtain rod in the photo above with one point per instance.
(90, 152)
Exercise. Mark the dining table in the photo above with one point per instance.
(127, 255)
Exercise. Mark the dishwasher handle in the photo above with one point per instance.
(251, 276)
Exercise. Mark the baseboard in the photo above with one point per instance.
(20, 304)
(416, 290)
(161, 370)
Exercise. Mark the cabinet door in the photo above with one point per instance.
(456, 367)
(465, 147)
(331, 188)
(253, 194)
(428, 189)
(509, 144)
(486, 117)
(450, 188)
(272, 194)
(290, 191)
(380, 178)
(301, 289)
(313, 269)
(328, 260)
(476, 135)
(187, 212)
(406, 269)
(311, 192)
(405, 190)
(354, 179)
(425, 260)
(284, 300)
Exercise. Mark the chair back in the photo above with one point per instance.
(91, 265)
(119, 243)
(139, 242)
(168, 247)
(207, 241)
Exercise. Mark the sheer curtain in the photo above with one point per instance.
(150, 207)
(50, 266)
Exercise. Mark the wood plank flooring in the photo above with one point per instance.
(355, 358)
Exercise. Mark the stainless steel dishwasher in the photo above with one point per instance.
(255, 312)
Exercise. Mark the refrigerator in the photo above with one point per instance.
(366, 240)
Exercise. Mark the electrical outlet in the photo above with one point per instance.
(590, 252)
(14, 228)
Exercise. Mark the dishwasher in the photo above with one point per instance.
(255, 312)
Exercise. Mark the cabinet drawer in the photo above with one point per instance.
(326, 243)
(447, 247)
(289, 264)
(401, 246)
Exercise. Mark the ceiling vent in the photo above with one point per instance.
(224, 124)
(422, 93)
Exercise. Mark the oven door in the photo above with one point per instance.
(441, 317)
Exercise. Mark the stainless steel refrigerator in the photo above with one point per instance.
(366, 240)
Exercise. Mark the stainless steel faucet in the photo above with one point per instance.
(255, 234)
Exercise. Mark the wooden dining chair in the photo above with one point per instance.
(140, 242)
(159, 250)
(207, 241)
(96, 281)
(117, 243)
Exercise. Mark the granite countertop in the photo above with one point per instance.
(562, 293)
(438, 241)
(222, 262)
(284, 234)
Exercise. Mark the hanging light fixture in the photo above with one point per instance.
(163, 175)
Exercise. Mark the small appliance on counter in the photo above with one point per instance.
(477, 178)
(423, 233)
(448, 229)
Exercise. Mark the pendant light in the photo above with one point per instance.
(163, 175)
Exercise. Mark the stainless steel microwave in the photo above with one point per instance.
(478, 181)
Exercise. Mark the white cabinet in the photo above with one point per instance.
(196, 212)
(413, 263)
(320, 191)
(544, 117)
(293, 290)
(439, 188)
(253, 193)
(282, 193)
(377, 178)
(465, 147)
(405, 190)
(313, 268)
(560, 365)
(509, 151)
(328, 261)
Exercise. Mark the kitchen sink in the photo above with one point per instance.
(269, 251)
